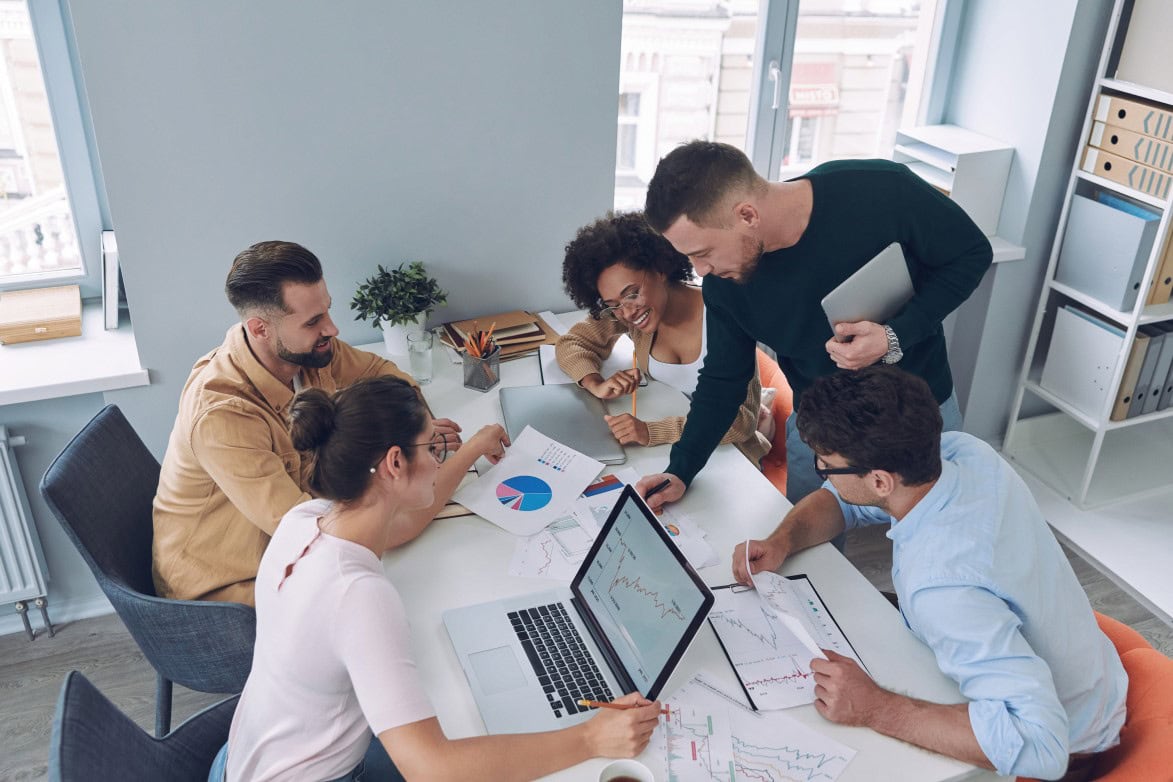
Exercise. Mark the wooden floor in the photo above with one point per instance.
(31, 672)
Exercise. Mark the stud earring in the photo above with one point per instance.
(372, 471)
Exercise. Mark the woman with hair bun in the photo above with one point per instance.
(334, 693)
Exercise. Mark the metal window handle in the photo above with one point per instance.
(775, 72)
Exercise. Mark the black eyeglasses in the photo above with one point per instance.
(437, 446)
(824, 472)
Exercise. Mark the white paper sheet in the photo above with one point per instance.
(709, 735)
(536, 482)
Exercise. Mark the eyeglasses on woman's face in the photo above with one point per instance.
(629, 301)
(437, 447)
(825, 472)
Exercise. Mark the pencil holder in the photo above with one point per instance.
(482, 372)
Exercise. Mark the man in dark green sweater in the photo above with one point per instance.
(770, 251)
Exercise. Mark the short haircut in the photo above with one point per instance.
(348, 432)
(879, 418)
(259, 274)
(693, 180)
(624, 238)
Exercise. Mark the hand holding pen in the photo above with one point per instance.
(664, 487)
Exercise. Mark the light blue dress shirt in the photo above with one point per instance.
(982, 581)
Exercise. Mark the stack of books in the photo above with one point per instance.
(518, 332)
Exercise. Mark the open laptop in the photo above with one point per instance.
(566, 414)
(874, 293)
(622, 626)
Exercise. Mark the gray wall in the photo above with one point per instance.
(472, 136)
(1022, 74)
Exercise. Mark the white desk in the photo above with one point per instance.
(465, 560)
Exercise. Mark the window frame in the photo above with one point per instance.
(69, 111)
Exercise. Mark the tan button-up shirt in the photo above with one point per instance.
(231, 472)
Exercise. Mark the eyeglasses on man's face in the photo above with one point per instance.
(825, 472)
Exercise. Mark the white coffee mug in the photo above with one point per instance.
(626, 769)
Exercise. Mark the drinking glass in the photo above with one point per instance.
(419, 356)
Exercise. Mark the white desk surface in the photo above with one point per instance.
(465, 560)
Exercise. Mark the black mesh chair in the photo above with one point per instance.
(92, 740)
(101, 488)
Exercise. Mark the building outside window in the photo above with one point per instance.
(38, 240)
(852, 66)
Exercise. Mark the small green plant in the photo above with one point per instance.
(397, 296)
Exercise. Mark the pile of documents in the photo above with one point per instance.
(516, 332)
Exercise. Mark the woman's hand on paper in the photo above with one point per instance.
(615, 733)
(762, 556)
(620, 384)
(627, 429)
(490, 442)
(868, 344)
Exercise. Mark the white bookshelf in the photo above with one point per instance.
(1083, 455)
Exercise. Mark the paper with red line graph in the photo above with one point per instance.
(756, 628)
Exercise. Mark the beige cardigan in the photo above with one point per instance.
(582, 350)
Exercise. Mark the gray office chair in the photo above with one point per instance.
(92, 740)
(101, 487)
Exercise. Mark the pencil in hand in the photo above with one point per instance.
(607, 705)
(634, 391)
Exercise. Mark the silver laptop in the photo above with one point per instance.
(622, 626)
(874, 293)
(566, 414)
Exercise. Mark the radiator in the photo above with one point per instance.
(23, 575)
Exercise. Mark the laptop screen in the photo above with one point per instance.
(647, 600)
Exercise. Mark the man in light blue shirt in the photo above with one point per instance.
(979, 577)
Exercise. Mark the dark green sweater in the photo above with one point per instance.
(860, 207)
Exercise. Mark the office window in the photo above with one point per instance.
(38, 237)
(856, 71)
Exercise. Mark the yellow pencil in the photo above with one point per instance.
(606, 705)
(634, 366)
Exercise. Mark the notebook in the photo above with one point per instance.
(565, 413)
(628, 617)
(874, 293)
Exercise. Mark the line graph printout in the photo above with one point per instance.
(558, 550)
(537, 481)
(706, 737)
(770, 658)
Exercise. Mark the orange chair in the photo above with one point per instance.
(774, 462)
(1145, 751)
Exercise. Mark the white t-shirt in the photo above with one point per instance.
(682, 376)
(332, 663)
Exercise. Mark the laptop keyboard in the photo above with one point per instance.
(564, 667)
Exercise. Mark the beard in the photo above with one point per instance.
(752, 252)
(314, 359)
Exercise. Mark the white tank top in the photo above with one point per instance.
(681, 376)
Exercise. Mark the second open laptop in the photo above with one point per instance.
(874, 293)
(566, 414)
(622, 626)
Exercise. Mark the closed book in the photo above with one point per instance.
(1161, 369)
(1131, 374)
(1148, 366)
(40, 313)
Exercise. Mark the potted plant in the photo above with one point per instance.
(399, 300)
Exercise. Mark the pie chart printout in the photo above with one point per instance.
(524, 493)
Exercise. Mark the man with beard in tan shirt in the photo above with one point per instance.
(230, 471)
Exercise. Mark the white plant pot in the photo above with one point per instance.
(395, 337)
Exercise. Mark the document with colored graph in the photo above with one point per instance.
(759, 631)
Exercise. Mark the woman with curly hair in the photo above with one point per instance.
(634, 282)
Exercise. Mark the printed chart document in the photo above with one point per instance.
(557, 551)
(709, 735)
(535, 483)
(771, 633)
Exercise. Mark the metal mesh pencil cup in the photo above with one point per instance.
(482, 373)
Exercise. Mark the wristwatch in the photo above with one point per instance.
(894, 353)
